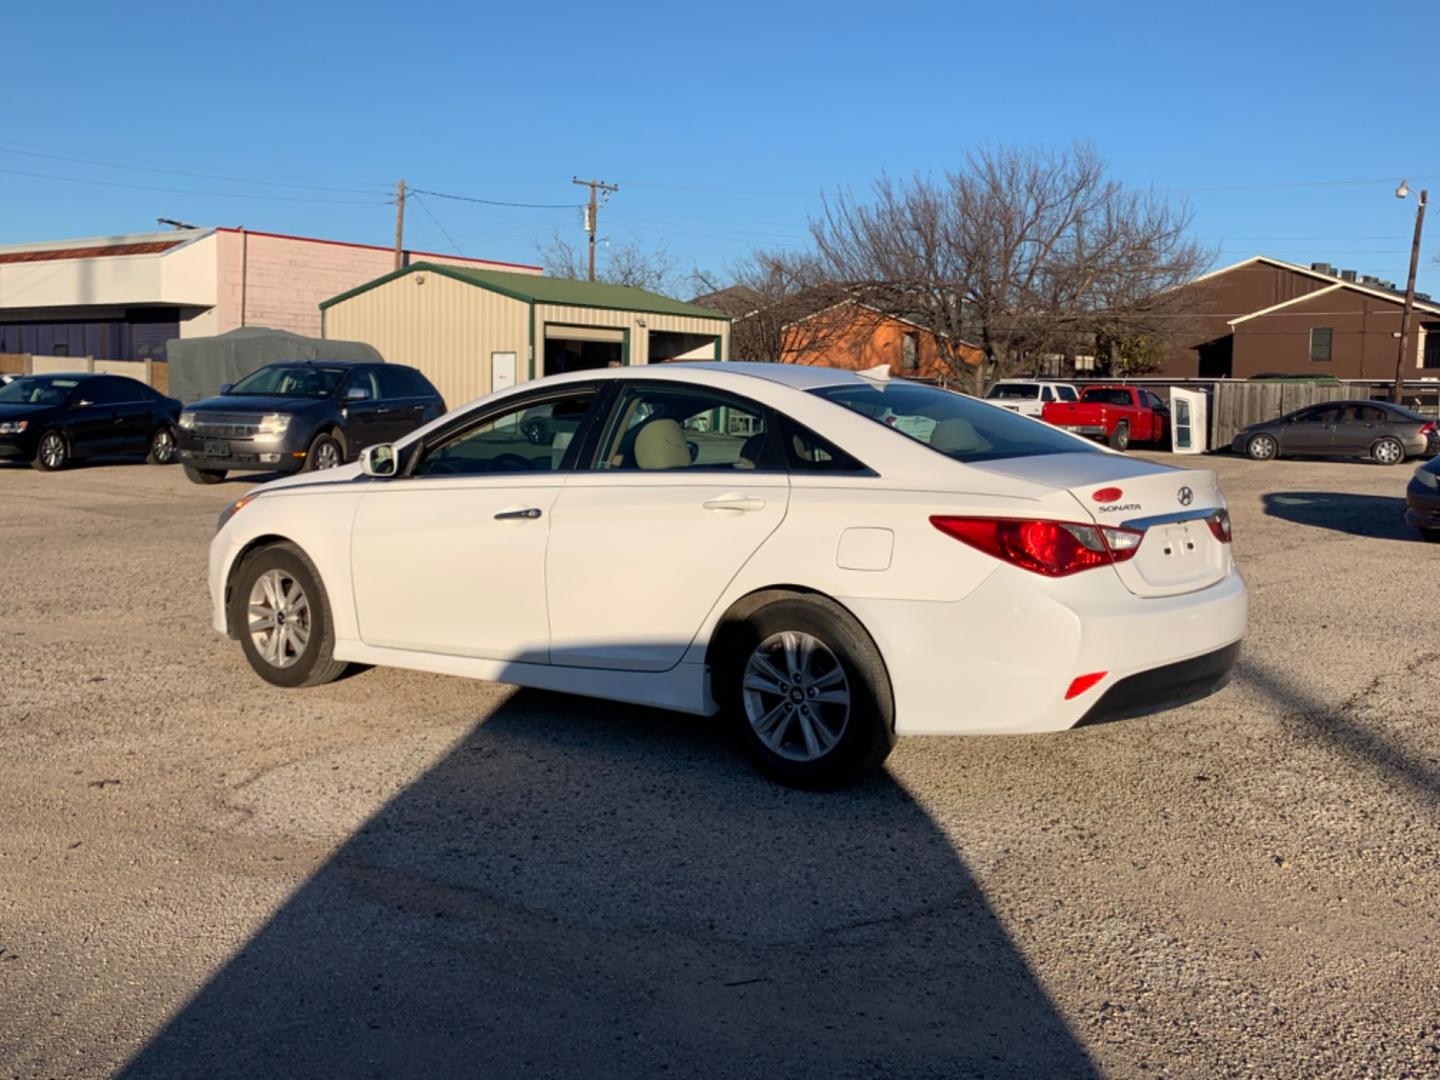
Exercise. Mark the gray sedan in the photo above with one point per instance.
(1375, 429)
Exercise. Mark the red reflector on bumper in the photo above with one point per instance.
(1083, 683)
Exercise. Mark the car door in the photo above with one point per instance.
(1359, 427)
(366, 415)
(1310, 431)
(92, 423)
(402, 410)
(449, 556)
(681, 489)
(134, 407)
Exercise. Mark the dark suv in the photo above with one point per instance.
(312, 414)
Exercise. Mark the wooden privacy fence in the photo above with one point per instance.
(1236, 405)
(150, 372)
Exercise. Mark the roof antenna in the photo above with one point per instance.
(880, 373)
(174, 224)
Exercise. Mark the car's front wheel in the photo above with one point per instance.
(1261, 448)
(326, 452)
(204, 476)
(808, 694)
(52, 452)
(282, 616)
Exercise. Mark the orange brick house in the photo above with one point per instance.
(857, 336)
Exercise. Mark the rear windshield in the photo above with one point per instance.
(958, 427)
(1106, 395)
(1013, 391)
(291, 380)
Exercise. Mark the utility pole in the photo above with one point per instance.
(592, 212)
(399, 224)
(1398, 389)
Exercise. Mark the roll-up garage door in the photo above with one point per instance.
(584, 333)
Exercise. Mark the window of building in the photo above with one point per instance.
(1320, 340)
(909, 351)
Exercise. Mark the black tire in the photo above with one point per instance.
(1388, 451)
(1432, 535)
(162, 446)
(868, 734)
(1262, 447)
(52, 452)
(204, 476)
(325, 448)
(1120, 438)
(314, 664)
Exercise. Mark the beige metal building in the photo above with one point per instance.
(476, 331)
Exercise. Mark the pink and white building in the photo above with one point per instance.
(123, 297)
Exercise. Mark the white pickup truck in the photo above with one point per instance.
(1029, 396)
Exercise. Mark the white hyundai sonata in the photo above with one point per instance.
(831, 558)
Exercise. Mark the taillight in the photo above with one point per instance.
(1219, 523)
(1052, 548)
(1427, 429)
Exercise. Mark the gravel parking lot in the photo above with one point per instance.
(405, 874)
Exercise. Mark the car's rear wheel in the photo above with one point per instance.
(808, 694)
(326, 452)
(1120, 437)
(162, 446)
(282, 616)
(204, 476)
(52, 452)
(1388, 452)
(1261, 448)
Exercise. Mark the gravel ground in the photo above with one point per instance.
(410, 875)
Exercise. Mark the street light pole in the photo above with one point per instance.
(1400, 356)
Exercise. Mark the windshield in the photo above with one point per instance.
(291, 380)
(952, 424)
(1106, 395)
(37, 391)
(1013, 391)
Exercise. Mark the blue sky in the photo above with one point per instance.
(720, 123)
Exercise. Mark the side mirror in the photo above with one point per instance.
(357, 393)
(380, 460)
(225, 388)
(83, 403)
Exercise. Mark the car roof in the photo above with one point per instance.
(795, 376)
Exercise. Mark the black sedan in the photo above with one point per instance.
(303, 415)
(1372, 429)
(1422, 500)
(50, 420)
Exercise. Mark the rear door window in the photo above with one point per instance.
(951, 424)
(1107, 395)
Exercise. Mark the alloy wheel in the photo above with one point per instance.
(796, 695)
(279, 618)
(162, 447)
(52, 450)
(327, 455)
(1262, 447)
(1388, 452)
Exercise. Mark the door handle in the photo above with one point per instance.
(734, 502)
(381, 411)
(529, 513)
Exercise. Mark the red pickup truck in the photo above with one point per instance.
(1118, 414)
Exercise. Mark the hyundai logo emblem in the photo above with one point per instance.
(1186, 496)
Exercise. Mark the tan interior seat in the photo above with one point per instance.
(750, 452)
(956, 435)
(661, 445)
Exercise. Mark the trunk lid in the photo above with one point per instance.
(1179, 553)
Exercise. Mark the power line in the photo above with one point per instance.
(1296, 184)
(428, 213)
(495, 202)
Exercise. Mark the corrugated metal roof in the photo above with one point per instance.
(547, 290)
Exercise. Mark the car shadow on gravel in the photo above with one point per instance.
(1334, 723)
(587, 889)
(1376, 517)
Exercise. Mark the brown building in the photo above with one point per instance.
(857, 336)
(1265, 316)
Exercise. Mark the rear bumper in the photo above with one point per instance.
(1163, 688)
(1001, 660)
(1094, 431)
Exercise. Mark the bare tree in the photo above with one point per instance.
(1023, 253)
(619, 264)
(774, 298)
